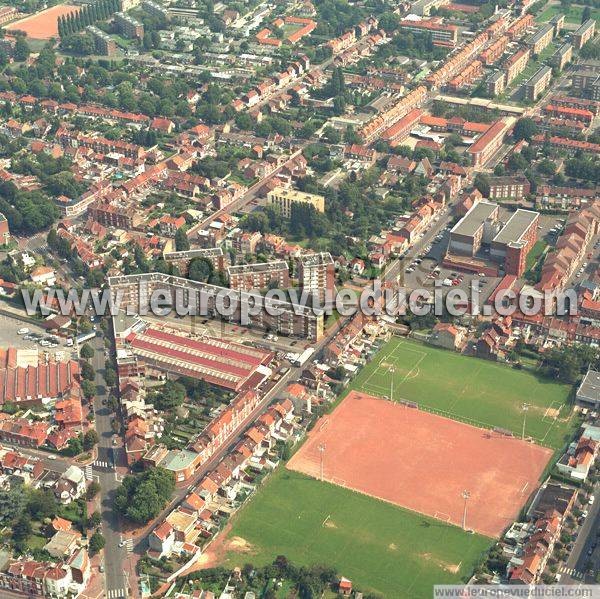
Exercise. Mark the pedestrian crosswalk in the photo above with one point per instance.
(129, 545)
(102, 464)
(116, 594)
(88, 472)
(572, 572)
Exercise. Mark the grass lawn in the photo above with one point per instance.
(534, 254)
(380, 547)
(572, 15)
(479, 392)
(36, 542)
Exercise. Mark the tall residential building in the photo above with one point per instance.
(129, 26)
(316, 273)
(248, 277)
(584, 34)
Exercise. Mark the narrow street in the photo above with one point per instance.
(584, 550)
(104, 471)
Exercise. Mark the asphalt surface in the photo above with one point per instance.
(104, 471)
(584, 553)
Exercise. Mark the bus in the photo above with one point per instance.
(304, 356)
(85, 337)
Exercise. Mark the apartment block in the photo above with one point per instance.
(488, 143)
(181, 260)
(246, 308)
(495, 83)
(584, 34)
(284, 199)
(156, 10)
(516, 64)
(262, 275)
(467, 236)
(514, 188)
(514, 241)
(105, 45)
(128, 26)
(558, 22)
(541, 38)
(316, 274)
(538, 83)
(562, 56)
(433, 27)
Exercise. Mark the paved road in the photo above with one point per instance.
(574, 571)
(238, 204)
(104, 469)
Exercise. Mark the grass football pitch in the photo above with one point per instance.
(471, 390)
(380, 547)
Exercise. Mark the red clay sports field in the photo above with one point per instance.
(423, 462)
(42, 25)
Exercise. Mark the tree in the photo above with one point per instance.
(21, 530)
(97, 542)
(142, 496)
(87, 371)
(21, 51)
(482, 183)
(92, 490)
(167, 397)
(332, 135)
(525, 128)
(586, 13)
(41, 503)
(90, 438)
(86, 351)
(110, 376)
(200, 270)
(94, 520)
(182, 243)
(74, 447)
(88, 388)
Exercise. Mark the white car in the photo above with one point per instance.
(23, 331)
(591, 500)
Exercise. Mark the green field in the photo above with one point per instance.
(572, 14)
(380, 547)
(479, 392)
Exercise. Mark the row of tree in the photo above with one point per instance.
(89, 14)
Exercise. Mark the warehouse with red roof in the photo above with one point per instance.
(219, 362)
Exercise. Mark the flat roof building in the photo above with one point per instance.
(248, 308)
(584, 33)
(588, 393)
(286, 198)
(223, 363)
(467, 234)
(514, 241)
(538, 83)
(260, 275)
(541, 38)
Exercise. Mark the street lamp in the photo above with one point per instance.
(525, 408)
(465, 496)
(322, 452)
